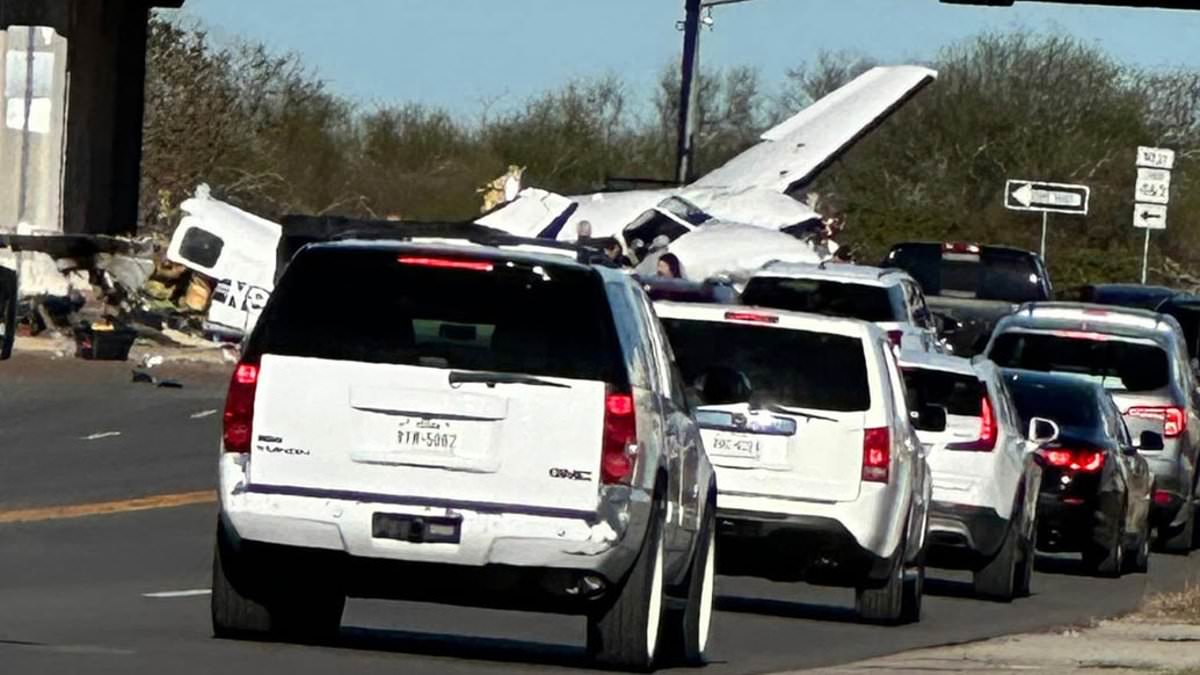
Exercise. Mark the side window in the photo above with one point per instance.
(652, 333)
(920, 312)
(634, 342)
(895, 382)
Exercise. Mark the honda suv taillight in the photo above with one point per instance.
(239, 408)
(1174, 418)
(620, 439)
(877, 455)
(986, 442)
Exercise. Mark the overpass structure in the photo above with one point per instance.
(71, 114)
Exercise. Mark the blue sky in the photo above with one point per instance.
(458, 53)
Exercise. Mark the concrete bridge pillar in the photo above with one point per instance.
(71, 130)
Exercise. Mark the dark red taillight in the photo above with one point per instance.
(1174, 418)
(896, 337)
(877, 455)
(960, 247)
(620, 439)
(447, 263)
(239, 408)
(986, 442)
(752, 317)
(1084, 461)
(1163, 498)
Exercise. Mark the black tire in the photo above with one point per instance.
(885, 605)
(247, 604)
(1023, 579)
(914, 593)
(997, 581)
(1108, 560)
(687, 630)
(1181, 540)
(624, 632)
(8, 312)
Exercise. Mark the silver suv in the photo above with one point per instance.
(1141, 359)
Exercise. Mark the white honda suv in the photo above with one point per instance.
(985, 474)
(821, 476)
(467, 424)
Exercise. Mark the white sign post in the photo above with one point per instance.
(1046, 198)
(1151, 194)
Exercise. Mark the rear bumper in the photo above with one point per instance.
(780, 547)
(964, 537)
(1077, 527)
(604, 542)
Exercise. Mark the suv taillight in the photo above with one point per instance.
(239, 408)
(877, 455)
(1084, 461)
(896, 337)
(1174, 418)
(986, 442)
(620, 439)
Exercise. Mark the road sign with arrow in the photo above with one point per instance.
(1150, 216)
(1151, 194)
(1028, 195)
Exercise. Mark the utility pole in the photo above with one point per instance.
(688, 93)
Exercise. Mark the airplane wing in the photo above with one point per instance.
(794, 152)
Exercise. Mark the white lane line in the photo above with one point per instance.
(178, 594)
(204, 413)
(102, 434)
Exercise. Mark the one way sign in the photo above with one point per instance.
(1150, 216)
(1027, 195)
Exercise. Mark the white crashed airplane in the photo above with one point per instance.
(756, 188)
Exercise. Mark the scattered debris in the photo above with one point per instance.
(102, 434)
(143, 377)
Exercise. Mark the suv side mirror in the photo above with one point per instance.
(929, 418)
(1042, 430)
(1149, 440)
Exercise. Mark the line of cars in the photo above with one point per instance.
(515, 423)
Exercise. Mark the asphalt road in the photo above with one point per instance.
(125, 593)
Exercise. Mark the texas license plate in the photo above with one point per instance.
(735, 446)
(427, 440)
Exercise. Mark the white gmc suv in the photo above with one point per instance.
(985, 474)
(468, 424)
(821, 476)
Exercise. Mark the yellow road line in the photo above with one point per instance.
(104, 508)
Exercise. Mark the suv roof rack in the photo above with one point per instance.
(313, 229)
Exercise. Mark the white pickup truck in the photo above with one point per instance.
(821, 476)
(467, 424)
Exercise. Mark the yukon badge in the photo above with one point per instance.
(568, 474)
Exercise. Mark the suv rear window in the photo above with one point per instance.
(1117, 364)
(825, 297)
(959, 394)
(1069, 406)
(726, 363)
(990, 274)
(364, 305)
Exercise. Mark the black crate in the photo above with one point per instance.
(104, 345)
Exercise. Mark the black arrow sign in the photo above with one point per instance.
(1146, 215)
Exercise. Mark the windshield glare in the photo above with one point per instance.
(1118, 364)
(825, 297)
(725, 364)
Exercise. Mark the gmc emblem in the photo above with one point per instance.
(568, 474)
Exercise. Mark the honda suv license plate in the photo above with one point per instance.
(417, 529)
